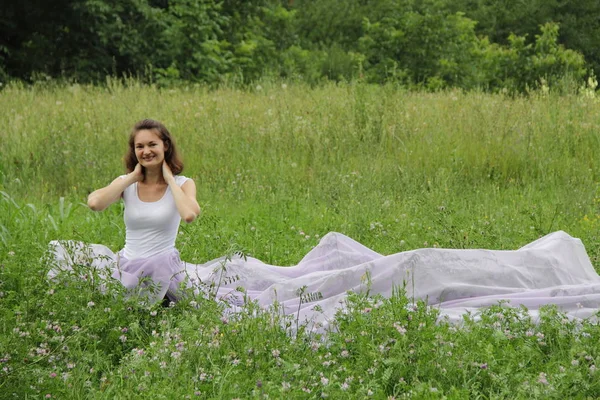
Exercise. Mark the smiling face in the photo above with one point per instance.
(149, 148)
(150, 143)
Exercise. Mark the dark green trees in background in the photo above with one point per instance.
(484, 44)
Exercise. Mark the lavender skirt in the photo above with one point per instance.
(554, 269)
(156, 278)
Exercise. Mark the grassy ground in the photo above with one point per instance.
(277, 168)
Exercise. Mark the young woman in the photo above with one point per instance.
(156, 199)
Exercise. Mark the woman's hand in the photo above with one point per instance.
(137, 174)
(167, 173)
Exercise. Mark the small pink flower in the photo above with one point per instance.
(542, 379)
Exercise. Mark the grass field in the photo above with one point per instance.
(277, 167)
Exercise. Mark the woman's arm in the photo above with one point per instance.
(99, 199)
(185, 200)
(185, 196)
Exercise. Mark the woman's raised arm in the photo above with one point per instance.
(99, 199)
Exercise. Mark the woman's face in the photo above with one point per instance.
(149, 148)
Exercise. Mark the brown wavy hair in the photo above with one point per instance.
(171, 155)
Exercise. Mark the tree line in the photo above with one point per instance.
(484, 44)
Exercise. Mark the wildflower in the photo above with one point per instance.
(275, 353)
(153, 313)
(575, 363)
(70, 365)
(483, 366)
(542, 379)
(175, 354)
(91, 304)
(592, 368)
(123, 338)
(324, 381)
(344, 386)
(11, 253)
(399, 328)
(235, 361)
(48, 396)
(345, 354)
(53, 375)
(285, 385)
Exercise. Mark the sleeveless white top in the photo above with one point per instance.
(151, 227)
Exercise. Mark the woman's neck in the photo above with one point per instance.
(153, 176)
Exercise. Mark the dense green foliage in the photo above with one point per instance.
(433, 44)
(277, 168)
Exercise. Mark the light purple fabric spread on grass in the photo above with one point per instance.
(554, 269)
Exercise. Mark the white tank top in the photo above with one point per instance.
(151, 227)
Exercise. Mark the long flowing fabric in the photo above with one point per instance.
(554, 269)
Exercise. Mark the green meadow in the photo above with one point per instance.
(276, 167)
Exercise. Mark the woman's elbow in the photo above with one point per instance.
(190, 217)
(94, 204)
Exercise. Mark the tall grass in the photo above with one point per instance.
(276, 168)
